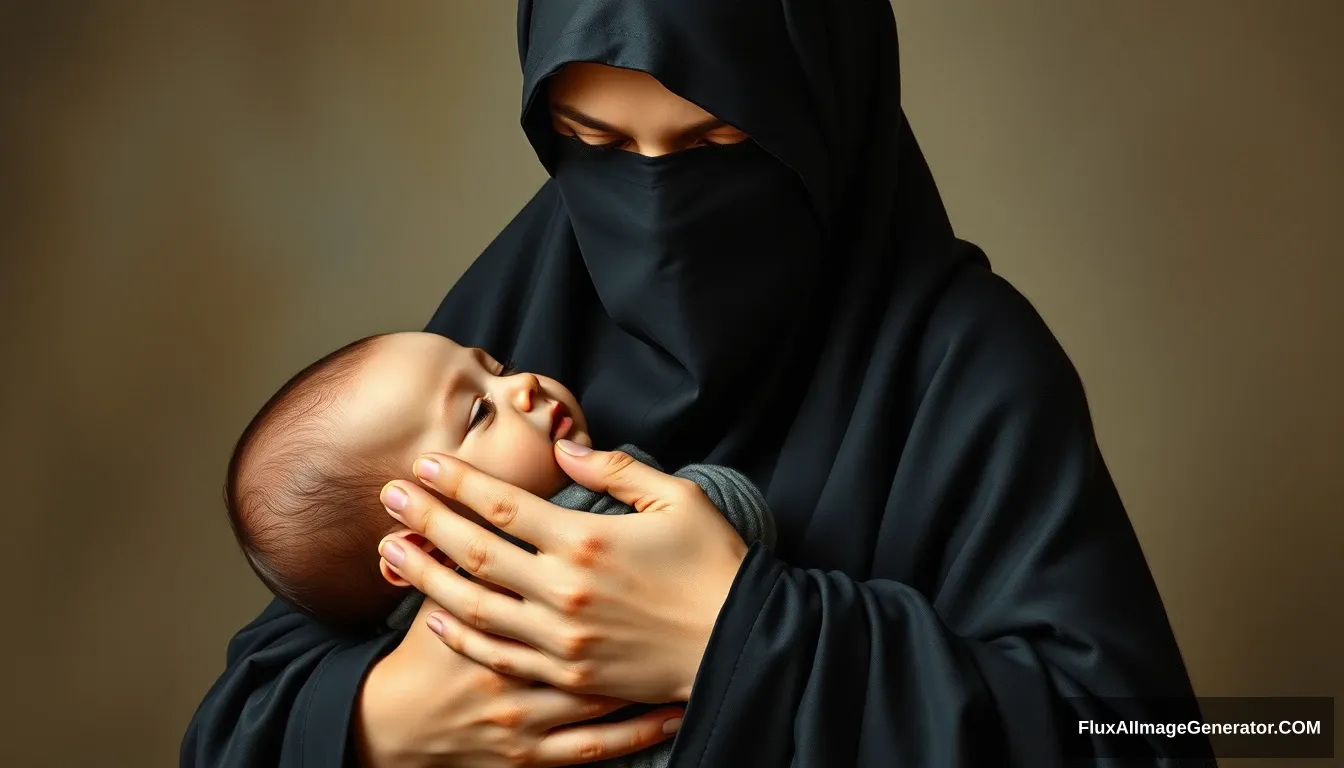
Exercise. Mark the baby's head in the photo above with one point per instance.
(303, 482)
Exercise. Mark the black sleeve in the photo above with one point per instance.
(1043, 610)
(285, 697)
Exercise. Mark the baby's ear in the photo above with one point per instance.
(409, 538)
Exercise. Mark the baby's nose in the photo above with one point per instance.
(526, 387)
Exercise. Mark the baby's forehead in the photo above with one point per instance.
(400, 389)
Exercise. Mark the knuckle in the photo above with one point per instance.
(476, 559)
(640, 738)
(503, 510)
(572, 600)
(476, 612)
(501, 664)
(431, 524)
(508, 716)
(592, 749)
(453, 639)
(574, 644)
(619, 461)
(596, 708)
(578, 676)
(450, 476)
(488, 681)
(588, 547)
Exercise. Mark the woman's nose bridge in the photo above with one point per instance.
(653, 149)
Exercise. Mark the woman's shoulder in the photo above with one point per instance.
(985, 331)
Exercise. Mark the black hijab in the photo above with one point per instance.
(955, 582)
(721, 304)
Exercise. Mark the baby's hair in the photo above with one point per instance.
(307, 515)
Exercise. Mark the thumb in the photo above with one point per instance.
(617, 474)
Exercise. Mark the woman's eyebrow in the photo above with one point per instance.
(588, 121)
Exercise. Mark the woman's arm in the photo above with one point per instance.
(288, 698)
(285, 697)
(1038, 610)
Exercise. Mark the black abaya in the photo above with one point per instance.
(956, 582)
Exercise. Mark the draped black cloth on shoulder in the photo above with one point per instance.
(956, 582)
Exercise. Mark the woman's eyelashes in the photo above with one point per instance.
(605, 141)
(597, 141)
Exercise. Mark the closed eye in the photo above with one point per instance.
(574, 124)
(481, 410)
(606, 141)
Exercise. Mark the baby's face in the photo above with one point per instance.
(421, 393)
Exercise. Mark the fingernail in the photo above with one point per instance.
(435, 625)
(393, 554)
(427, 469)
(394, 498)
(573, 448)
(672, 725)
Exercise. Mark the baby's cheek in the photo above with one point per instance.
(533, 469)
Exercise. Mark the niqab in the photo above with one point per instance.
(955, 582)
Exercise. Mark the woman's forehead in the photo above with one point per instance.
(736, 60)
(589, 94)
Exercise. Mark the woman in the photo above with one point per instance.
(742, 259)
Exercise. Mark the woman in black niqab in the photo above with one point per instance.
(955, 582)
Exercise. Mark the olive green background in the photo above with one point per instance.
(197, 199)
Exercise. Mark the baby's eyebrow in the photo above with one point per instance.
(456, 376)
(482, 357)
(454, 382)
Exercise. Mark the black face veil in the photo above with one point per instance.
(955, 582)
(701, 293)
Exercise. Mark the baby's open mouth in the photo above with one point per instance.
(561, 423)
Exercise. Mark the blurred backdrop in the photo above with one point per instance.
(198, 199)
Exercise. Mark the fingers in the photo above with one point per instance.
(550, 708)
(472, 603)
(512, 510)
(508, 657)
(410, 539)
(582, 744)
(480, 552)
(620, 475)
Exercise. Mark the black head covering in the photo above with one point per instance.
(955, 581)
(710, 303)
(798, 308)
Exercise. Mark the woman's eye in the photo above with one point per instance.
(480, 411)
(507, 369)
(601, 141)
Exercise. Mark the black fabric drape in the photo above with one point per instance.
(956, 582)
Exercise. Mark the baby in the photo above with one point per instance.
(303, 482)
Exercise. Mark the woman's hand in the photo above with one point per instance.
(615, 605)
(425, 705)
